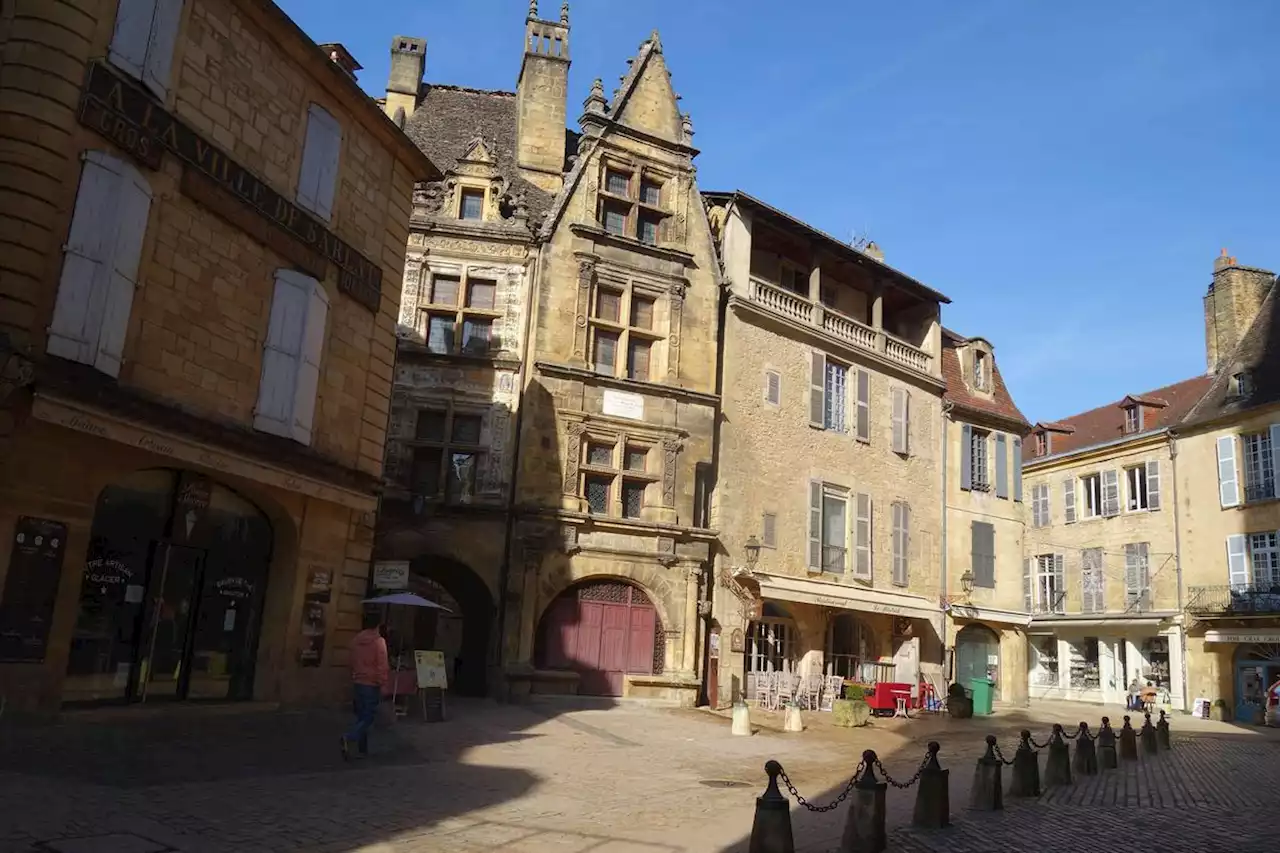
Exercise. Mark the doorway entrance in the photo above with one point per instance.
(603, 630)
(978, 656)
(1257, 668)
(171, 596)
(770, 646)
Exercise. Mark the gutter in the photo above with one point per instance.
(1177, 563)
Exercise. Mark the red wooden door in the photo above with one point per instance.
(603, 631)
(613, 648)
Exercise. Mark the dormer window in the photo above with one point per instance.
(981, 371)
(1132, 419)
(1242, 384)
(471, 205)
(1042, 443)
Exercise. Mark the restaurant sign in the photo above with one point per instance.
(1242, 636)
(124, 113)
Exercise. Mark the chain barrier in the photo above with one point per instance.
(1069, 736)
(902, 786)
(1039, 745)
(844, 795)
(1000, 755)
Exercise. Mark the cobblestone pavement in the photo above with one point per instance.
(564, 778)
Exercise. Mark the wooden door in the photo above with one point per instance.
(603, 631)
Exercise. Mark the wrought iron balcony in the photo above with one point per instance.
(1056, 605)
(833, 559)
(1234, 600)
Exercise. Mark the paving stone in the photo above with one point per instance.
(112, 843)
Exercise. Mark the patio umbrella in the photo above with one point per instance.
(408, 599)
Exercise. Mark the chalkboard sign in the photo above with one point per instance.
(1200, 709)
(30, 589)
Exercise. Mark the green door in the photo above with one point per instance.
(978, 656)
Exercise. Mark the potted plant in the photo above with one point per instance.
(959, 702)
(1218, 711)
(852, 711)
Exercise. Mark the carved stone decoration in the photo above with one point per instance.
(678, 291)
(586, 278)
(569, 538)
(572, 452)
(666, 545)
(670, 448)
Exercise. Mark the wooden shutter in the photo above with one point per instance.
(1153, 484)
(1275, 458)
(772, 387)
(158, 69)
(1228, 478)
(1026, 584)
(1110, 493)
(899, 396)
(1137, 577)
(1091, 580)
(319, 176)
(1017, 470)
(862, 422)
(817, 389)
(282, 353)
(901, 526)
(815, 526)
(1059, 583)
(100, 268)
(1238, 560)
(966, 457)
(1069, 499)
(862, 563)
(304, 405)
(131, 35)
(982, 553)
(1002, 466)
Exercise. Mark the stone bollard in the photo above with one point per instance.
(1024, 781)
(1107, 759)
(1085, 761)
(933, 797)
(771, 828)
(864, 827)
(1149, 744)
(1057, 767)
(1162, 732)
(792, 722)
(741, 719)
(1128, 741)
(987, 793)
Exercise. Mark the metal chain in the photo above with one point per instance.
(838, 800)
(1070, 737)
(909, 782)
(1037, 745)
(1000, 754)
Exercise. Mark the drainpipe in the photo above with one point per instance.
(1177, 563)
(942, 563)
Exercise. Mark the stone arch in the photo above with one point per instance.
(471, 672)
(976, 643)
(658, 583)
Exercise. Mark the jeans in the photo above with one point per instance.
(365, 701)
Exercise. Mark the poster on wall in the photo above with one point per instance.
(391, 575)
(312, 650)
(30, 589)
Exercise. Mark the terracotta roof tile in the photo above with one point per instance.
(957, 392)
(1106, 423)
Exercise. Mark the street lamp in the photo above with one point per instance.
(966, 582)
(752, 549)
(16, 370)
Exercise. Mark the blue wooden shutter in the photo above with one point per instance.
(1002, 466)
(966, 457)
(1017, 470)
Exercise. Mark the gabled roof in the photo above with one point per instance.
(1106, 423)
(1258, 355)
(957, 391)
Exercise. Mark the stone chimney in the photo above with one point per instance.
(342, 58)
(1230, 307)
(874, 251)
(404, 85)
(542, 100)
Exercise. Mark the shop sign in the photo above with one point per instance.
(431, 669)
(106, 571)
(125, 114)
(319, 585)
(236, 588)
(31, 588)
(391, 574)
(1242, 637)
(312, 650)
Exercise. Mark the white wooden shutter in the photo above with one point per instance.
(1026, 585)
(862, 419)
(772, 387)
(1153, 484)
(132, 34)
(100, 266)
(318, 179)
(1069, 499)
(1238, 560)
(304, 405)
(1017, 470)
(817, 389)
(862, 558)
(1228, 478)
(1002, 466)
(815, 526)
(1059, 584)
(901, 521)
(282, 353)
(158, 69)
(1110, 492)
(899, 396)
(1275, 457)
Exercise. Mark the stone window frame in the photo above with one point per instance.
(445, 446)
(620, 444)
(461, 313)
(463, 185)
(623, 329)
(632, 204)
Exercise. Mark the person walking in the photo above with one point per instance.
(369, 672)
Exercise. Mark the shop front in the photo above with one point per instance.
(1237, 666)
(988, 642)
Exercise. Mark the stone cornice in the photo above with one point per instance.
(651, 389)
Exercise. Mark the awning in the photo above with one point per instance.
(845, 596)
(989, 614)
(1263, 636)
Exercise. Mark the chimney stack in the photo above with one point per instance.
(1230, 307)
(542, 100)
(404, 84)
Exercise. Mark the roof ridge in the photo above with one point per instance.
(470, 89)
(1154, 392)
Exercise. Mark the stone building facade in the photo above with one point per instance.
(984, 523)
(828, 489)
(595, 395)
(203, 220)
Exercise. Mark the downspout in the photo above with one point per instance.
(1177, 563)
(942, 563)
(504, 572)
(709, 570)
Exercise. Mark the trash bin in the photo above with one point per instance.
(982, 689)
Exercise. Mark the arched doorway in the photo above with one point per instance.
(978, 656)
(171, 597)
(463, 633)
(851, 650)
(1257, 668)
(770, 645)
(603, 630)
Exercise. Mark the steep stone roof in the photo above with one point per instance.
(957, 392)
(1259, 355)
(1106, 423)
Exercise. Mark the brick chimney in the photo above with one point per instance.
(342, 58)
(1230, 307)
(404, 84)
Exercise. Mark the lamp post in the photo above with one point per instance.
(16, 370)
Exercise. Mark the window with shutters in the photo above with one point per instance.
(835, 532)
(617, 475)
(1264, 559)
(1050, 593)
(862, 537)
(983, 554)
(1259, 466)
(981, 371)
(100, 264)
(1242, 384)
(836, 392)
(979, 460)
(1042, 443)
(901, 514)
(1092, 581)
(769, 530)
(625, 337)
(901, 412)
(143, 41)
(1137, 576)
(1091, 495)
(773, 387)
(459, 313)
(291, 357)
(1040, 505)
(321, 152)
(1132, 419)
(631, 203)
(1135, 480)
(448, 453)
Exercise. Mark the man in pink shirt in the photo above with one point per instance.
(369, 671)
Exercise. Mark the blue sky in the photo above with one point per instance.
(1065, 172)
